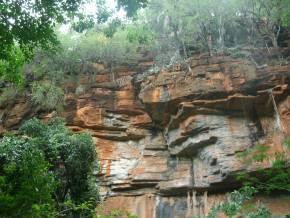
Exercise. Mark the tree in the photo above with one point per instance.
(11, 67)
(171, 23)
(183, 26)
(131, 6)
(27, 24)
(26, 184)
(72, 158)
(268, 18)
(112, 27)
(86, 21)
(30, 23)
(47, 171)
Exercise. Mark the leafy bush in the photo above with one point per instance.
(117, 213)
(112, 28)
(8, 94)
(47, 95)
(287, 142)
(140, 33)
(262, 212)
(78, 53)
(11, 67)
(234, 204)
(47, 171)
(26, 184)
(270, 179)
(258, 153)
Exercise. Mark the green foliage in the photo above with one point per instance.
(118, 213)
(47, 95)
(112, 28)
(183, 27)
(262, 212)
(132, 6)
(85, 21)
(173, 29)
(11, 66)
(234, 204)
(258, 153)
(72, 158)
(287, 142)
(19, 23)
(277, 177)
(25, 25)
(8, 94)
(79, 53)
(139, 33)
(27, 185)
(113, 51)
(47, 171)
(268, 16)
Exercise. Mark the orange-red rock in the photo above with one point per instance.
(168, 140)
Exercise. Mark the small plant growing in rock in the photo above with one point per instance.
(47, 95)
(272, 179)
(117, 213)
(8, 94)
(277, 177)
(234, 204)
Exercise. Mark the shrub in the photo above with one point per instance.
(8, 94)
(139, 33)
(47, 95)
(234, 204)
(118, 213)
(275, 178)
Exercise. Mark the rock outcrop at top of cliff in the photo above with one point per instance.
(168, 142)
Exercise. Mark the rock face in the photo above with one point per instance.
(168, 142)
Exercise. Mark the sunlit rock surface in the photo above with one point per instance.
(168, 142)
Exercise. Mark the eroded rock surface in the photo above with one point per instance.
(169, 141)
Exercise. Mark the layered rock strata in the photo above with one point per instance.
(168, 141)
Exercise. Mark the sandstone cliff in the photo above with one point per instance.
(168, 140)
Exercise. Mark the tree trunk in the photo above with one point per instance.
(209, 44)
(275, 37)
(275, 43)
